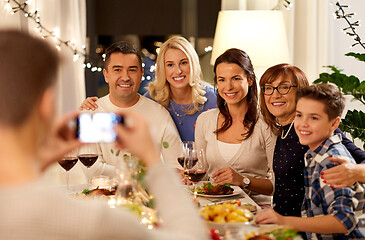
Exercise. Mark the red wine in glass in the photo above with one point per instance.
(181, 161)
(191, 162)
(88, 159)
(68, 162)
(195, 175)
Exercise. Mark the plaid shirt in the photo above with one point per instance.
(346, 204)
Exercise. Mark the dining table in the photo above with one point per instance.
(241, 196)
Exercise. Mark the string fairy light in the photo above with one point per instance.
(286, 3)
(14, 6)
(351, 29)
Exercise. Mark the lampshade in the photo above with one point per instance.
(261, 34)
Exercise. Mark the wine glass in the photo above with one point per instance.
(185, 146)
(67, 162)
(195, 167)
(88, 154)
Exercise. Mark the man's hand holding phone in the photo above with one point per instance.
(97, 127)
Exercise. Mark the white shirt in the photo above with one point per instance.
(162, 128)
(39, 210)
(228, 150)
(253, 158)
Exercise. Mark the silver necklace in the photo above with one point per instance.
(283, 136)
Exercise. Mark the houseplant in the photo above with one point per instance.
(354, 121)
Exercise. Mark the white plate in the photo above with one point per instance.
(236, 191)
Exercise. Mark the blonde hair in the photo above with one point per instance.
(160, 90)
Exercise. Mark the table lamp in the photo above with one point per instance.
(261, 34)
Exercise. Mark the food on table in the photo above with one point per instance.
(247, 206)
(215, 189)
(276, 233)
(214, 235)
(101, 192)
(226, 213)
(97, 192)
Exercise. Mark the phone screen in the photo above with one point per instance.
(97, 127)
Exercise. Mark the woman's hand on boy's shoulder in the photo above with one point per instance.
(343, 175)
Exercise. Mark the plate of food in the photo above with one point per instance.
(212, 190)
(274, 232)
(239, 203)
(228, 216)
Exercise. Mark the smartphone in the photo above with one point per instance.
(97, 127)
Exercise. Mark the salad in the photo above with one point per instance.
(215, 189)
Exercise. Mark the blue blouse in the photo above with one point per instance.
(185, 123)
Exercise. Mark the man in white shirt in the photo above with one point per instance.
(123, 72)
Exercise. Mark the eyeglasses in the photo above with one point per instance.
(282, 89)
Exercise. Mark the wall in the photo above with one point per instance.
(340, 44)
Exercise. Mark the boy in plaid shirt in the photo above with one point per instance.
(328, 213)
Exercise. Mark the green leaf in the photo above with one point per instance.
(208, 186)
(112, 151)
(86, 191)
(117, 153)
(165, 145)
(354, 123)
(358, 56)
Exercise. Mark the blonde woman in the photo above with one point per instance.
(178, 86)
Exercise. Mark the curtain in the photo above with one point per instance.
(67, 18)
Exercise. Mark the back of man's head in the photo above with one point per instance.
(28, 66)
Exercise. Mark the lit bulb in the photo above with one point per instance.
(56, 32)
(88, 65)
(8, 7)
(76, 56)
(148, 77)
(93, 69)
(83, 65)
(143, 78)
(83, 47)
(208, 49)
(143, 65)
(99, 69)
(28, 2)
(58, 47)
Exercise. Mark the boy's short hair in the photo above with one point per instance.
(124, 48)
(328, 94)
(28, 66)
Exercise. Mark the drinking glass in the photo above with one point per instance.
(67, 162)
(195, 167)
(185, 147)
(88, 154)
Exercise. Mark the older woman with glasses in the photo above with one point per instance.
(277, 101)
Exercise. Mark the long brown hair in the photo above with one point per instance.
(240, 58)
(280, 71)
